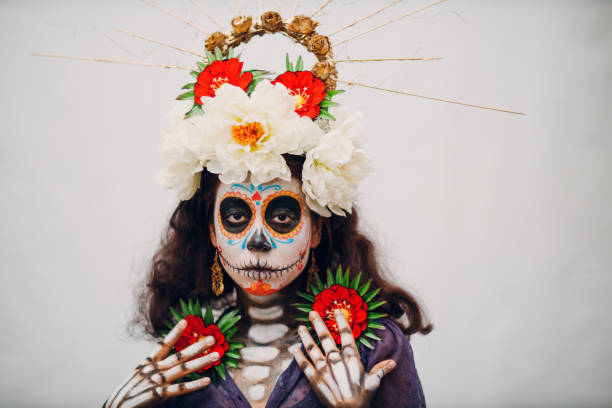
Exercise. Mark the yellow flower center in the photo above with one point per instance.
(248, 134)
(347, 315)
(300, 96)
(218, 81)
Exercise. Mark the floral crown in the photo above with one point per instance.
(241, 122)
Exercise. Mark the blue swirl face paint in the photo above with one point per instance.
(262, 271)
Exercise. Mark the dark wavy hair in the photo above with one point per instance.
(180, 268)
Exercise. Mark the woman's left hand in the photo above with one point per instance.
(338, 377)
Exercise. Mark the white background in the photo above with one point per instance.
(501, 224)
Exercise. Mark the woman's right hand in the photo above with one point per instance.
(151, 381)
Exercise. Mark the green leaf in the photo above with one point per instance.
(315, 290)
(375, 315)
(304, 309)
(328, 103)
(302, 319)
(371, 295)
(201, 65)
(190, 306)
(339, 278)
(252, 85)
(345, 279)
(306, 296)
(218, 53)
(235, 345)
(324, 114)
(375, 325)
(302, 305)
(259, 72)
(319, 282)
(365, 288)
(365, 342)
(194, 74)
(220, 370)
(355, 282)
(288, 64)
(232, 354)
(198, 308)
(211, 58)
(229, 323)
(175, 314)
(330, 278)
(372, 335)
(335, 92)
(184, 307)
(226, 318)
(195, 110)
(230, 333)
(376, 305)
(231, 363)
(185, 96)
(208, 317)
(168, 324)
(189, 86)
(299, 65)
(230, 53)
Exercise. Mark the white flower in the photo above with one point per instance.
(183, 168)
(237, 135)
(335, 167)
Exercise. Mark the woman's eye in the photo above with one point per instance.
(237, 218)
(281, 218)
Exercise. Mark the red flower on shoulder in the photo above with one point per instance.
(196, 331)
(350, 304)
(218, 73)
(307, 90)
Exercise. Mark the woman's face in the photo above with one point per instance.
(263, 233)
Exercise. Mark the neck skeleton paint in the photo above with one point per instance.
(263, 233)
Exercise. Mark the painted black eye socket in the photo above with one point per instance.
(235, 214)
(283, 214)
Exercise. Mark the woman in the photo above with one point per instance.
(268, 174)
(181, 269)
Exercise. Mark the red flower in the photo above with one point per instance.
(195, 331)
(218, 73)
(349, 302)
(307, 90)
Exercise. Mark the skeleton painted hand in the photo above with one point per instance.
(151, 381)
(338, 377)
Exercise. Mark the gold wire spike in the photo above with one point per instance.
(393, 3)
(110, 60)
(163, 10)
(351, 83)
(208, 15)
(159, 43)
(387, 59)
(320, 8)
(217, 276)
(388, 22)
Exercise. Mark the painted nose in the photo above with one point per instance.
(259, 242)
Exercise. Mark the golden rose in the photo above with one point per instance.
(318, 44)
(241, 24)
(322, 69)
(271, 21)
(215, 40)
(302, 25)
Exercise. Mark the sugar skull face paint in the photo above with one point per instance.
(263, 233)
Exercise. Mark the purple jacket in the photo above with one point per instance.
(400, 388)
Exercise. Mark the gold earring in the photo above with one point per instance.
(217, 276)
(313, 271)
